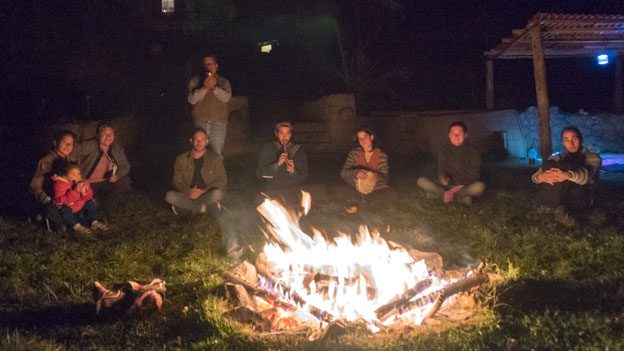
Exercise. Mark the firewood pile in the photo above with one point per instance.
(273, 308)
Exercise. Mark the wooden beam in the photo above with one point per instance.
(619, 87)
(489, 84)
(541, 91)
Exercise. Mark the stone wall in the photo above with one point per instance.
(327, 124)
(237, 140)
(416, 132)
(601, 132)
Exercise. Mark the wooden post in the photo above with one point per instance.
(489, 84)
(619, 86)
(541, 91)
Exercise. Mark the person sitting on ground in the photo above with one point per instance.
(104, 164)
(568, 180)
(366, 172)
(74, 197)
(282, 164)
(458, 169)
(199, 178)
(41, 185)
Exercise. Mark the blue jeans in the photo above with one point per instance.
(87, 214)
(216, 135)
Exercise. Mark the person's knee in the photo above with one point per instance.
(216, 195)
(171, 196)
(477, 189)
(123, 184)
(423, 182)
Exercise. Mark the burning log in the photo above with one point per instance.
(392, 306)
(439, 296)
(273, 298)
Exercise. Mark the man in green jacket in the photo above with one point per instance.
(199, 177)
(458, 169)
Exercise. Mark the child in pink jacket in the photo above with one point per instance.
(74, 197)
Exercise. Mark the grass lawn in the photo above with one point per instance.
(564, 281)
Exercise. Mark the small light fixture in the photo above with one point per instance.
(266, 48)
(602, 59)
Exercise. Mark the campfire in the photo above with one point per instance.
(308, 283)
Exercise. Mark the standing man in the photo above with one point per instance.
(458, 171)
(281, 163)
(208, 95)
(568, 179)
(104, 164)
(199, 177)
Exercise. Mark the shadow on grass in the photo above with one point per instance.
(65, 322)
(61, 316)
(563, 295)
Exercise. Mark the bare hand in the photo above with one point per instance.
(113, 179)
(82, 187)
(290, 166)
(552, 176)
(210, 83)
(450, 194)
(283, 158)
(360, 175)
(444, 180)
(194, 193)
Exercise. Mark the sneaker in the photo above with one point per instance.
(99, 225)
(174, 210)
(80, 229)
(466, 200)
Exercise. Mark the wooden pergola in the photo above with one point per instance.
(559, 36)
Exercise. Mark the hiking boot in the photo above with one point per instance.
(80, 229)
(97, 225)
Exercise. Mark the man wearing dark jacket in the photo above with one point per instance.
(199, 177)
(282, 166)
(458, 170)
(281, 163)
(568, 179)
(104, 164)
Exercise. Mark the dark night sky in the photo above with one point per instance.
(440, 42)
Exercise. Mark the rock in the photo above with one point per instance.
(433, 260)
